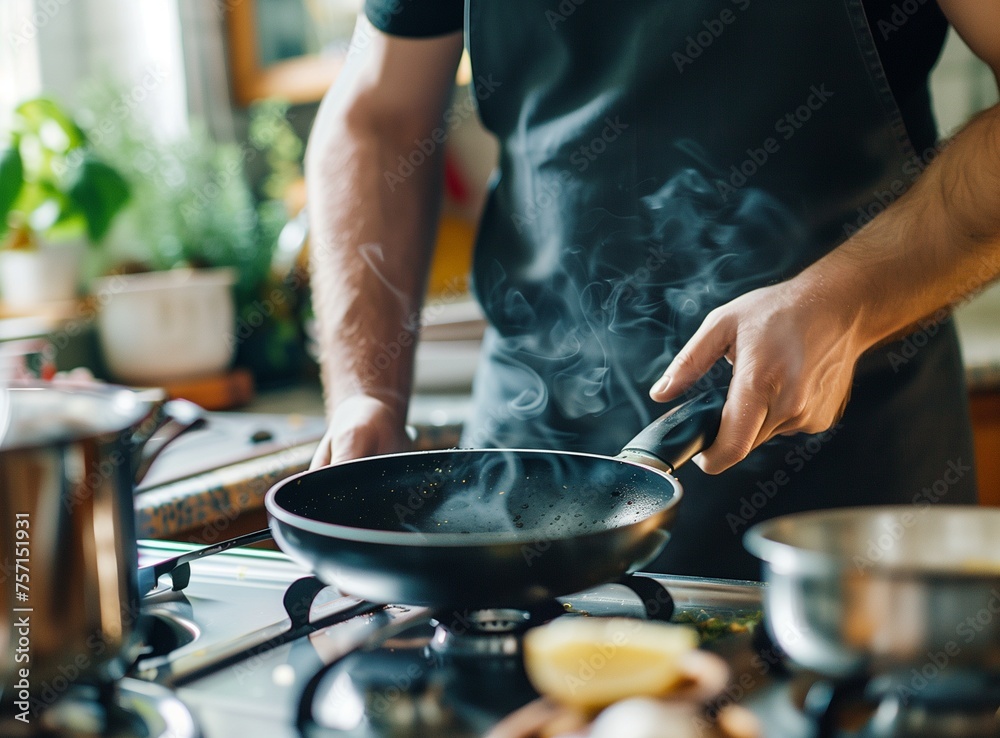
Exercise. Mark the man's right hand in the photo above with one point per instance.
(361, 426)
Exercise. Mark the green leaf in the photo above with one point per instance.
(33, 195)
(40, 116)
(99, 191)
(11, 181)
(69, 227)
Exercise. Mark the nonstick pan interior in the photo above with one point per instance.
(473, 528)
(466, 497)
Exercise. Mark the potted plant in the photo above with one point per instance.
(56, 196)
(191, 289)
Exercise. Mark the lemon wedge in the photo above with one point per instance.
(591, 663)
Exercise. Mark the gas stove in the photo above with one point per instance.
(251, 645)
(262, 649)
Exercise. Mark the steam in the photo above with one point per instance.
(593, 323)
(587, 327)
(522, 495)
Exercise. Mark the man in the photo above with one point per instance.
(679, 183)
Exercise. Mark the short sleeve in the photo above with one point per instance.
(416, 18)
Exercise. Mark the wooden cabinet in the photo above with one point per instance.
(985, 409)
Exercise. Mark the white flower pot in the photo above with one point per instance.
(166, 326)
(50, 273)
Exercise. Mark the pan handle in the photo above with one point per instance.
(680, 433)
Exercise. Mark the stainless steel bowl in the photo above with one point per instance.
(884, 588)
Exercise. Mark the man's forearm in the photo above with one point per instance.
(370, 248)
(929, 250)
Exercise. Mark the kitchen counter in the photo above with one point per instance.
(210, 484)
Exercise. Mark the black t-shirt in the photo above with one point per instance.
(908, 49)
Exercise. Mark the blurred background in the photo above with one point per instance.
(188, 118)
(152, 182)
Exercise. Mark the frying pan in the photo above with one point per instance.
(490, 528)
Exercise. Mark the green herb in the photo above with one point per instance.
(710, 627)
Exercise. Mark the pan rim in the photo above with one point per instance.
(431, 540)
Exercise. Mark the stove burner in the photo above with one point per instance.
(165, 633)
(128, 709)
(428, 680)
(484, 633)
(836, 704)
(498, 621)
(956, 704)
(454, 675)
(491, 632)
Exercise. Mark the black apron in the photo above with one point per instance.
(657, 160)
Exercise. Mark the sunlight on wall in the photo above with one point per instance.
(53, 46)
(19, 65)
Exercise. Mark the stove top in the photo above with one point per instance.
(254, 646)
(249, 656)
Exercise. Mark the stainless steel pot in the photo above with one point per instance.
(881, 589)
(69, 458)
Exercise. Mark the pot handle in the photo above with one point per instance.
(149, 576)
(680, 433)
(170, 420)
